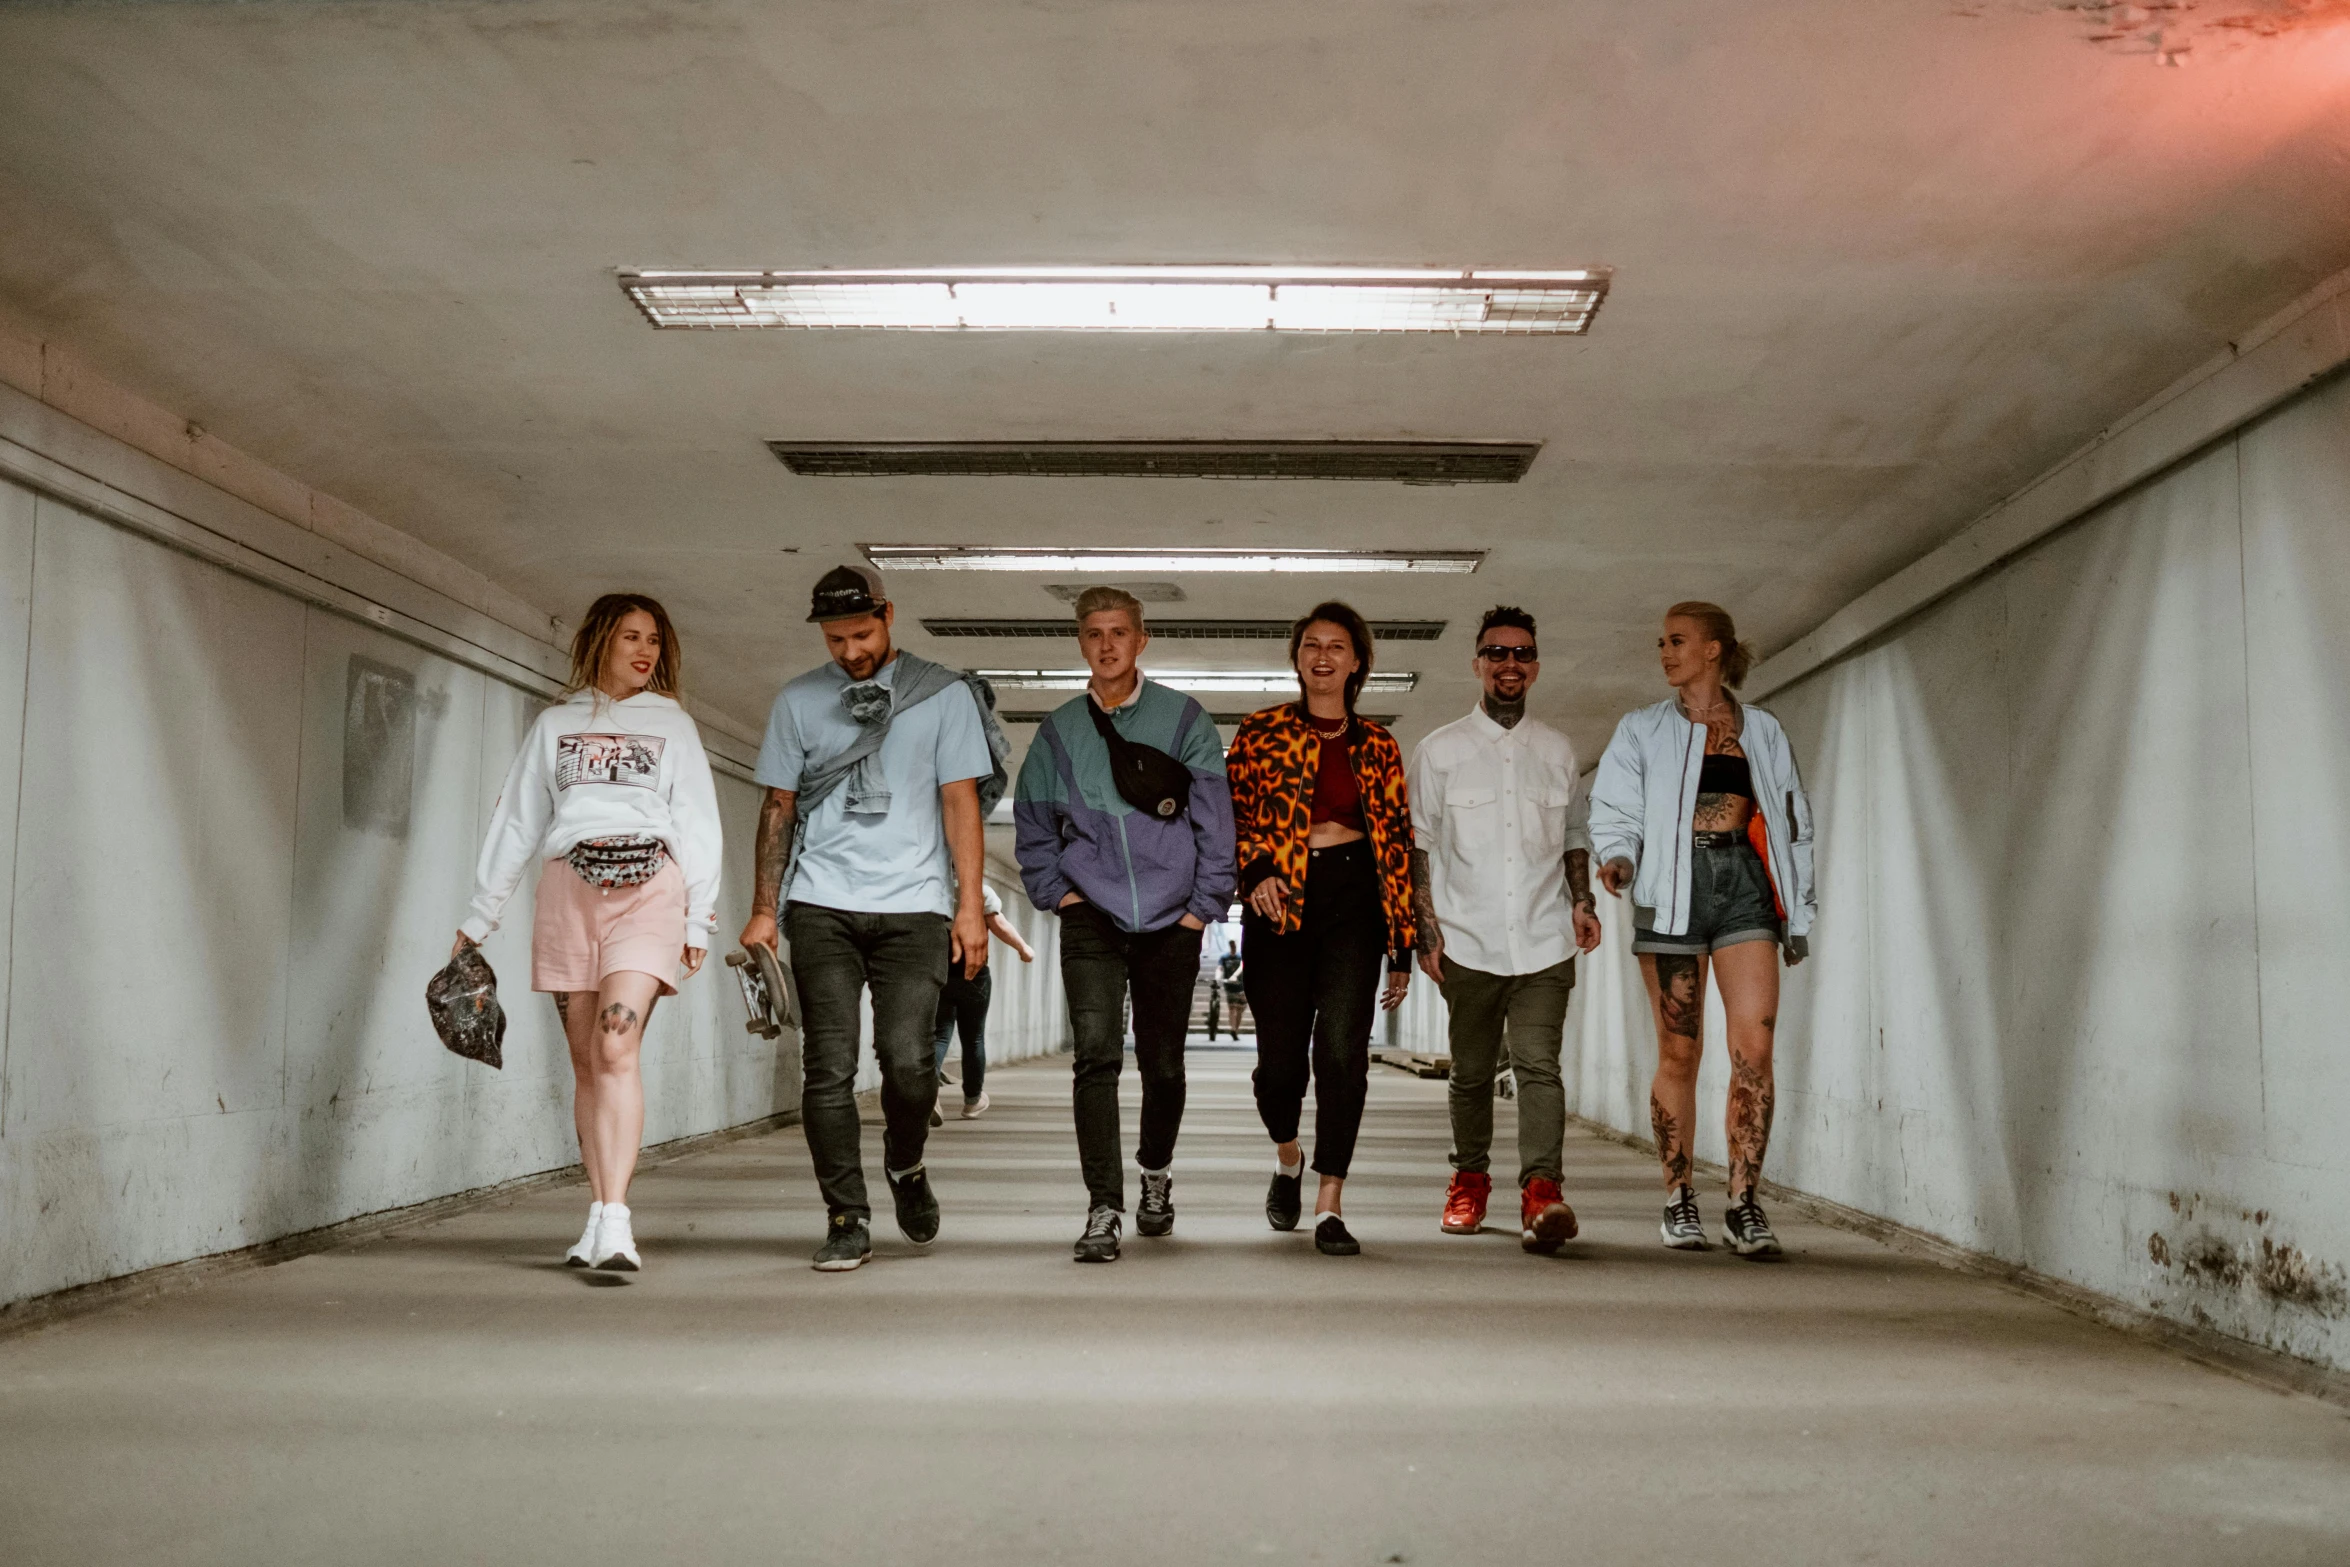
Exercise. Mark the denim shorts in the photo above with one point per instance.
(1730, 902)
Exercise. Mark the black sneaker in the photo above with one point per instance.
(917, 1206)
(1284, 1199)
(847, 1243)
(1331, 1238)
(1099, 1243)
(1745, 1230)
(1155, 1214)
(1683, 1230)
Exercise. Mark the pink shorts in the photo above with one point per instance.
(583, 932)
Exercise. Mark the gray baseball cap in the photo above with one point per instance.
(845, 592)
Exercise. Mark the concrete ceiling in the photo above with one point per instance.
(1879, 262)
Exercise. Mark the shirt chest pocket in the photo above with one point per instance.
(1472, 818)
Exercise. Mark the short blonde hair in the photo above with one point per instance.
(1101, 597)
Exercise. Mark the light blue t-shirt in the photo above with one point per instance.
(893, 864)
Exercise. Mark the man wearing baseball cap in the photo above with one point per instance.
(869, 839)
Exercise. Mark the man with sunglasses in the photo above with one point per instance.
(1501, 878)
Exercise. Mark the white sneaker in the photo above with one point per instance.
(583, 1251)
(973, 1109)
(615, 1241)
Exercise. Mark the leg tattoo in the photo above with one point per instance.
(1680, 1001)
(619, 1019)
(1751, 1104)
(563, 1006)
(1671, 1147)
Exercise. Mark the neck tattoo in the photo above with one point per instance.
(1504, 711)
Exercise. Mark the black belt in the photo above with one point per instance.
(1721, 840)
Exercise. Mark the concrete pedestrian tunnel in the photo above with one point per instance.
(1985, 362)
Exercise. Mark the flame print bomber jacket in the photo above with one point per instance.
(1271, 768)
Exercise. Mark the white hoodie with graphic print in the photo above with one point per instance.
(595, 768)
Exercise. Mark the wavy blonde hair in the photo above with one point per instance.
(1737, 656)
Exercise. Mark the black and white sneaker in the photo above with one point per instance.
(1285, 1199)
(1099, 1243)
(1155, 1214)
(917, 1205)
(1746, 1232)
(1333, 1239)
(847, 1243)
(1683, 1229)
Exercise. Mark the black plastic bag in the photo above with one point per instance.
(463, 1001)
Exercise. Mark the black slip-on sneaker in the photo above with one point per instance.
(1285, 1200)
(1332, 1239)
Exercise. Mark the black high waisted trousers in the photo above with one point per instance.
(1315, 994)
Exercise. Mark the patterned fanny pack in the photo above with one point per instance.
(618, 862)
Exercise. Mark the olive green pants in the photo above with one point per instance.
(1524, 1015)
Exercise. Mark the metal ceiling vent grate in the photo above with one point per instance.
(1178, 630)
(1395, 462)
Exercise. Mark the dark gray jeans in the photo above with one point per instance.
(1100, 966)
(1529, 1011)
(835, 955)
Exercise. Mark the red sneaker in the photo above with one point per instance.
(1464, 1202)
(1545, 1222)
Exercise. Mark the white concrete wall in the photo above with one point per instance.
(2076, 999)
(215, 1028)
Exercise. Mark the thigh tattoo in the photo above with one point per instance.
(1680, 1001)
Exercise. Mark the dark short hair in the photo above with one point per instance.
(1505, 615)
(1358, 631)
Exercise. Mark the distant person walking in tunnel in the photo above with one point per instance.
(1325, 841)
(1501, 890)
(1123, 827)
(611, 793)
(963, 1005)
(878, 766)
(1697, 807)
(1227, 986)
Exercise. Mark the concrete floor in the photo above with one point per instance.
(451, 1393)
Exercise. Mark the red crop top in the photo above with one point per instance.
(1337, 796)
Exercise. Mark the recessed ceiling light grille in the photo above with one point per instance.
(1223, 720)
(1179, 630)
(1399, 462)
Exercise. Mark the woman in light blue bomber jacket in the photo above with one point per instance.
(1697, 806)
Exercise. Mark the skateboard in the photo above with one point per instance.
(767, 994)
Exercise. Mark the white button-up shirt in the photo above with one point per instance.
(1496, 811)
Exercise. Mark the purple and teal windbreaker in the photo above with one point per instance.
(1073, 831)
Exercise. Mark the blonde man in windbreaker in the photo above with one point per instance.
(1698, 808)
(1134, 891)
(611, 795)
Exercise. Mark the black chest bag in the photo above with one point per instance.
(1148, 779)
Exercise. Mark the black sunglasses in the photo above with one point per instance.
(1498, 654)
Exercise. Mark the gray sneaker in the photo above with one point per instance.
(1746, 1232)
(847, 1243)
(1155, 1214)
(1099, 1243)
(1683, 1229)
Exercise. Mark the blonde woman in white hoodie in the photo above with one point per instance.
(612, 793)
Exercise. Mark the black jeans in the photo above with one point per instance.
(964, 1003)
(835, 954)
(1099, 963)
(1315, 994)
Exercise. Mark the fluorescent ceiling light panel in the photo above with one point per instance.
(1221, 719)
(1086, 562)
(1228, 681)
(1558, 303)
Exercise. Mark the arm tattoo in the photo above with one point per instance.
(1671, 1147)
(1423, 899)
(1680, 1000)
(619, 1019)
(777, 818)
(1579, 876)
(1751, 1103)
